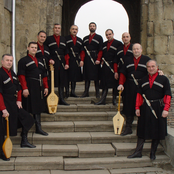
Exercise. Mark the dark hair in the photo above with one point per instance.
(92, 23)
(56, 24)
(6, 55)
(32, 43)
(73, 25)
(109, 30)
(42, 31)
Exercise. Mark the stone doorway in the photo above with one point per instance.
(132, 7)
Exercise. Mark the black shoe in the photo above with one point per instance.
(40, 131)
(73, 94)
(114, 101)
(85, 94)
(103, 98)
(61, 99)
(127, 131)
(3, 157)
(152, 156)
(135, 155)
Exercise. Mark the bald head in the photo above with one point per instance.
(137, 50)
(126, 38)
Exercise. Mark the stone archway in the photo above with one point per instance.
(70, 9)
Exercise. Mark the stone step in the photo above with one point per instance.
(112, 162)
(86, 108)
(125, 149)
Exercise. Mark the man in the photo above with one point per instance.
(133, 66)
(11, 106)
(43, 53)
(33, 79)
(93, 52)
(59, 53)
(157, 90)
(109, 71)
(75, 49)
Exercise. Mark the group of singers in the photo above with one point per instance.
(112, 64)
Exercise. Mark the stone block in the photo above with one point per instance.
(165, 59)
(150, 46)
(157, 28)
(150, 29)
(166, 27)
(10, 165)
(26, 172)
(167, 69)
(151, 12)
(158, 9)
(160, 45)
(81, 172)
(171, 45)
(168, 8)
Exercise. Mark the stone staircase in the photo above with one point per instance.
(82, 141)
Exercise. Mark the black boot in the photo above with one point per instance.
(138, 150)
(61, 98)
(154, 146)
(73, 86)
(2, 156)
(103, 98)
(86, 92)
(67, 91)
(24, 140)
(128, 128)
(38, 125)
(97, 93)
(114, 95)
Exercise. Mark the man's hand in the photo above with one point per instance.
(19, 104)
(45, 91)
(66, 67)
(160, 72)
(97, 62)
(5, 113)
(137, 112)
(116, 75)
(165, 114)
(51, 62)
(25, 93)
(120, 88)
(81, 63)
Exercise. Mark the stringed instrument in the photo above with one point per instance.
(7, 145)
(118, 119)
(52, 99)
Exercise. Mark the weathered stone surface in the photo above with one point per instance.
(27, 172)
(150, 29)
(81, 172)
(171, 45)
(10, 165)
(160, 45)
(165, 59)
(168, 7)
(167, 27)
(151, 12)
(43, 163)
(150, 45)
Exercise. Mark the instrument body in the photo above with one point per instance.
(118, 119)
(52, 99)
(7, 145)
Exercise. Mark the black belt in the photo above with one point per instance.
(93, 51)
(158, 100)
(133, 79)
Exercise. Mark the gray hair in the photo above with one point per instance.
(152, 61)
(6, 55)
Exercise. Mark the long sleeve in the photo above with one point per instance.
(45, 82)
(19, 95)
(122, 79)
(2, 104)
(139, 101)
(23, 81)
(67, 59)
(82, 55)
(115, 67)
(167, 101)
(100, 53)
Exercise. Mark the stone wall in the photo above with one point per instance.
(5, 30)
(157, 33)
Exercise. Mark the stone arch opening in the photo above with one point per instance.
(70, 9)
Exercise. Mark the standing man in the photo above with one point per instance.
(157, 90)
(93, 53)
(34, 82)
(133, 66)
(59, 53)
(109, 71)
(11, 105)
(75, 49)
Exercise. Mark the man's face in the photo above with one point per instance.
(7, 62)
(137, 50)
(126, 38)
(109, 35)
(92, 28)
(41, 38)
(74, 30)
(57, 30)
(32, 49)
(152, 68)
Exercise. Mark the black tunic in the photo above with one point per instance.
(74, 71)
(60, 74)
(130, 90)
(34, 103)
(107, 76)
(17, 117)
(148, 126)
(91, 71)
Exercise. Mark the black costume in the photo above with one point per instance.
(17, 117)
(34, 75)
(60, 74)
(74, 71)
(90, 69)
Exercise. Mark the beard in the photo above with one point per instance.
(92, 30)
